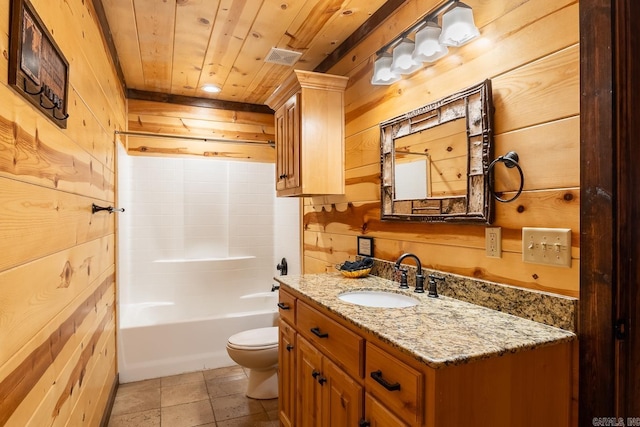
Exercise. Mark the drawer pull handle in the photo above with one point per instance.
(316, 332)
(364, 423)
(377, 375)
(289, 347)
(283, 306)
(322, 380)
(315, 373)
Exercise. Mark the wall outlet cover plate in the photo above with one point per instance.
(493, 242)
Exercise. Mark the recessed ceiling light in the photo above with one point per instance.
(211, 88)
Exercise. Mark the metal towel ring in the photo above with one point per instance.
(510, 160)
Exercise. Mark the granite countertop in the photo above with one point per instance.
(438, 331)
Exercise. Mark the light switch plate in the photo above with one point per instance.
(551, 246)
(493, 241)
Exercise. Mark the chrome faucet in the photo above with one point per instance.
(419, 276)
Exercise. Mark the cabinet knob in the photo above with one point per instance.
(364, 423)
(315, 373)
(289, 347)
(322, 380)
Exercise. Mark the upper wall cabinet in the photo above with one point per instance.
(309, 134)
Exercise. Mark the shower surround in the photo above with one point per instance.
(197, 249)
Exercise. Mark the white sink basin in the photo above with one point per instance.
(378, 299)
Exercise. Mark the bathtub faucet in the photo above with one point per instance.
(419, 276)
(283, 267)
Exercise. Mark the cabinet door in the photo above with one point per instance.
(376, 415)
(292, 142)
(281, 150)
(341, 398)
(287, 374)
(309, 375)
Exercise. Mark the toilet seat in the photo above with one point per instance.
(255, 339)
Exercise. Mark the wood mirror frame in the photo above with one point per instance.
(475, 205)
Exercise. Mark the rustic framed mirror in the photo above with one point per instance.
(434, 160)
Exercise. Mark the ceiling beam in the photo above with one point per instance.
(197, 102)
(359, 34)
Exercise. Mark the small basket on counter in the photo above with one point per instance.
(356, 269)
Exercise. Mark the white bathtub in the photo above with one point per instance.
(165, 338)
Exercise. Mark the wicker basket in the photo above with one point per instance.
(356, 273)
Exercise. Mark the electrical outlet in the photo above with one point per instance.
(550, 246)
(493, 241)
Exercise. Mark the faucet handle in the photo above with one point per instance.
(433, 286)
(403, 278)
(419, 284)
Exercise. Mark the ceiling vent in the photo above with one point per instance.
(282, 56)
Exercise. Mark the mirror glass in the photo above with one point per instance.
(435, 160)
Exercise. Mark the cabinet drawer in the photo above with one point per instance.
(379, 416)
(344, 347)
(287, 306)
(395, 383)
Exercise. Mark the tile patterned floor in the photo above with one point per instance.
(213, 398)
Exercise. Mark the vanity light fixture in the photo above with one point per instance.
(431, 41)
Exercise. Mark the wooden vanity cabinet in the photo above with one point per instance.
(309, 122)
(287, 373)
(334, 385)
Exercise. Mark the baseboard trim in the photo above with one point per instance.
(112, 398)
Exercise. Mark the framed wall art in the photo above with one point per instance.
(365, 246)
(37, 68)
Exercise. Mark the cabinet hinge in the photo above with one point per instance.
(620, 329)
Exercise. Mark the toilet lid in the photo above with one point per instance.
(253, 338)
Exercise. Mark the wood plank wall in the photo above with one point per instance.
(160, 126)
(530, 51)
(57, 260)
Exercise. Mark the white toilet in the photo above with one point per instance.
(257, 349)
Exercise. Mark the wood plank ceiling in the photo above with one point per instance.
(176, 46)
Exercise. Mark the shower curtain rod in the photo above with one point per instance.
(196, 138)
